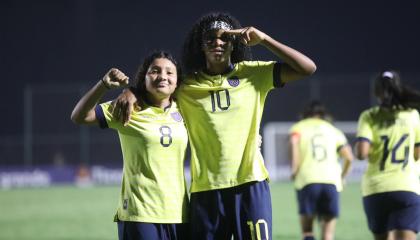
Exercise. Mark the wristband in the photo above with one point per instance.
(103, 82)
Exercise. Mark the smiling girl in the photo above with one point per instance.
(153, 201)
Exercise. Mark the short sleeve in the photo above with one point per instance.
(364, 128)
(341, 140)
(104, 116)
(277, 81)
(294, 129)
(417, 127)
(265, 74)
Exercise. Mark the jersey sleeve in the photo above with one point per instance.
(364, 129)
(267, 73)
(341, 140)
(294, 130)
(277, 81)
(104, 116)
(417, 128)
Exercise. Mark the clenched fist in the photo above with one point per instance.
(114, 78)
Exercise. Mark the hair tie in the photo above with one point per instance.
(388, 74)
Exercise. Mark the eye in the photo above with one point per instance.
(227, 38)
(208, 40)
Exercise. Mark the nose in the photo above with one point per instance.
(218, 42)
(163, 76)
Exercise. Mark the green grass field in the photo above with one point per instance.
(87, 213)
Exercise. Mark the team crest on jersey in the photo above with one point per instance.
(125, 204)
(233, 81)
(176, 116)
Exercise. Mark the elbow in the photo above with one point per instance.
(76, 118)
(309, 69)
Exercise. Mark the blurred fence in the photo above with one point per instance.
(50, 138)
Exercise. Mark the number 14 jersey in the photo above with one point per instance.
(392, 135)
(223, 115)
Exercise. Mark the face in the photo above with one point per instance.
(161, 78)
(217, 46)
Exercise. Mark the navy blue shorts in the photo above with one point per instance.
(319, 199)
(243, 211)
(399, 210)
(152, 231)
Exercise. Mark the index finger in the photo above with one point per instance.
(235, 31)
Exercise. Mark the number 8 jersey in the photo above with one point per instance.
(392, 135)
(153, 146)
(223, 115)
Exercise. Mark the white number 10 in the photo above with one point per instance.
(256, 231)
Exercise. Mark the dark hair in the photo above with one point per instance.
(393, 93)
(315, 108)
(140, 88)
(193, 57)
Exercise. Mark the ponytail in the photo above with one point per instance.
(393, 94)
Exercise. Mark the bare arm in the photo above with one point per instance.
(417, 153)
(362, 149)
(347, 155)
(294, 154)
(297, 64)
(84, 111)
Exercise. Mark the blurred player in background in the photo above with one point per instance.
(222, 101)
(315, 148)
(389, 137)
(154, 201)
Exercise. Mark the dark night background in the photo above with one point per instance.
(57, 48)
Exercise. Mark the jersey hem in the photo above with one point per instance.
(148, 220)
(394, 190)
(195, 189)
(337, 187)
(363, 139)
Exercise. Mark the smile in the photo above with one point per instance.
(160, 85)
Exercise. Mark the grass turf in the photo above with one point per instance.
(67, 213)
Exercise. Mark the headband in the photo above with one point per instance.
(219, 25)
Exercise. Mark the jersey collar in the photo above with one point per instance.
(229, 70)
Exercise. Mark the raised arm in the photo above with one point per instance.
(297, 65)
(84, 111)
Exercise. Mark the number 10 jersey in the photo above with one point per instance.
(223, 114)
